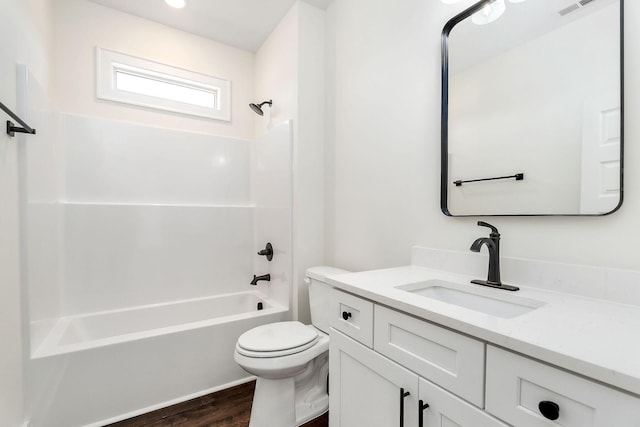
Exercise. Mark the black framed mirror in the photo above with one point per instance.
(532, 108)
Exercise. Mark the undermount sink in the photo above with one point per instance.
(488, 301)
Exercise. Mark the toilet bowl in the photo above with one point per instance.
(290, 361)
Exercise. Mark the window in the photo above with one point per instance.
(137, 81)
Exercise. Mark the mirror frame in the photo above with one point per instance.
(444, 117)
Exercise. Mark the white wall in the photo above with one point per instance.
(308, 206)
(82, 25)
(290, 70)
(385, 148)
(384, 114)
(24, 38)
(541, 137)
(276, 74)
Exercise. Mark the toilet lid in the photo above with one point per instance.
(277, 336)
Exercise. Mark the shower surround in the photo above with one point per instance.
(141, 288)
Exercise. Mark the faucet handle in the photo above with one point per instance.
(494, 230)
(267, 251)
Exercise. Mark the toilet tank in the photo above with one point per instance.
(319, 293)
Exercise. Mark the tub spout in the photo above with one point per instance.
(256, 279)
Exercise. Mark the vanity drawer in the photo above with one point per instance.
(516, 386)
(352, 316)
(451, 360)
(447, 410)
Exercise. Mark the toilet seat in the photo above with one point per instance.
(263, 366)
(277, 340)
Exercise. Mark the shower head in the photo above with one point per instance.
(258, 107)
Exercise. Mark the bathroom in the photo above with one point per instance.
(364, 168)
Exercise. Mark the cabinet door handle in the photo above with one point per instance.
(346, 315)
(403, 394)
(421, 407)
(549, 410)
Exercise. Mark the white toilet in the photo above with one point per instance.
(291, 361)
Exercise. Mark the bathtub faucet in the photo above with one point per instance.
(256, 279)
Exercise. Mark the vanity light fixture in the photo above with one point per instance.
(491, 11)
(517, 1)
(450, 1)
(178, 4)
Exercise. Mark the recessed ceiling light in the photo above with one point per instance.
(491, 11)
(178, 4)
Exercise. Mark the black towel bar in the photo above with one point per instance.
(11, 127)
(518, 177)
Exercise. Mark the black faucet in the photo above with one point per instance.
(256, 279)
(493, 244)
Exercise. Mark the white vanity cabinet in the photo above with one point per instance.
(391, 369)
(367, 388)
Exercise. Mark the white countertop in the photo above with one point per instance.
(596, 338)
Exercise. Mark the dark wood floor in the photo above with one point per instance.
(226, 408)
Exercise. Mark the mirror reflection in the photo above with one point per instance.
(534, 95)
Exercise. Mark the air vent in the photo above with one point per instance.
(573, 7)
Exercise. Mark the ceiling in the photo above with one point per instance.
(241, 23)
(470, 44)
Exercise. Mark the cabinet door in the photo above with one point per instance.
(365, 388)
(442, 409)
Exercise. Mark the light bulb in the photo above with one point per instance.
(178, 4)
(489, 12)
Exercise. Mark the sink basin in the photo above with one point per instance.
(488, 301)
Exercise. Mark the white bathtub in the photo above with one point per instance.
(121, 363)
(86, 331)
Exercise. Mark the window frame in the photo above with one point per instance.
(109, 63)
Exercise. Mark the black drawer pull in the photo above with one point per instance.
(403, 394)
(549, 410)
(421, 407)
(346, 315)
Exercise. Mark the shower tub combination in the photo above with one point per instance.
(149, 354)
(138, 297)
